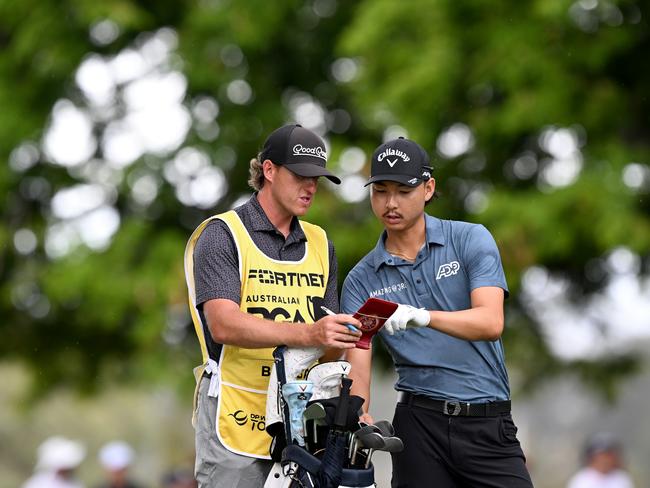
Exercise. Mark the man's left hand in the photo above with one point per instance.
(407, 316)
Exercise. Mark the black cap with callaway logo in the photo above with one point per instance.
(400, 160)
(299, 150)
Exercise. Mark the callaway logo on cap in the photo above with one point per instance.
(395, 156)
(299, 150)
(400, 160)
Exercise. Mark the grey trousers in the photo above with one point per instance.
(216, 466)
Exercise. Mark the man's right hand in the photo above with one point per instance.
(332, 332)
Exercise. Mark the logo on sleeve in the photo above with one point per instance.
(448, 269)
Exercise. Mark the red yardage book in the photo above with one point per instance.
(372, 315)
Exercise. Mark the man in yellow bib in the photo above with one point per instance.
(256, 276)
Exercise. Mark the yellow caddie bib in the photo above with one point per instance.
(281, 291)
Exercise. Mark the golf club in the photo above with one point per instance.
(391, 444)
(296, 394)
(327, 378)
(370, 441)
(385, 427)
(362, 431)
(314, 413)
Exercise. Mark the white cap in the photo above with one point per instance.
(60, 453)
(116, 455)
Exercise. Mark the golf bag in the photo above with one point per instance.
(317, 439)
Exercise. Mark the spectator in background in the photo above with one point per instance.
(57, 460)
(602, 465)
(116, 457)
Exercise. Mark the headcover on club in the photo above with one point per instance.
(296, 360)
(297, 393)
(326, 378)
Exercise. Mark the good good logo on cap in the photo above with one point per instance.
(317, 151)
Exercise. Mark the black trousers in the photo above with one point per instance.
(441, 451)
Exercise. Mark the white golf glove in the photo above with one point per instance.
(407, 316)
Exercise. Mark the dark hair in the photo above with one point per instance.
(435, 195)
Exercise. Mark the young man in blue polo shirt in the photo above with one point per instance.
(453, 410)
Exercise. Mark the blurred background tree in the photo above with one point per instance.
(124, 123)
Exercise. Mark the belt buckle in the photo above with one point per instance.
(451, 408)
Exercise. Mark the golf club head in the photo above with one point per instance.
(297, 394)
(370, 440)
(366, 429)
(313, 416)
(354, 444)
(392, 444)
(314, 411)
(385, 427)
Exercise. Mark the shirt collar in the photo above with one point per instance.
(261, 223)
(434, 230)
(434, 235)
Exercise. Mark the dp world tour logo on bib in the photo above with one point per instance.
(448, 269)
(240, 417)
(316, 151)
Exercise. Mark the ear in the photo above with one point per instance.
(429, 188)
(269, 169)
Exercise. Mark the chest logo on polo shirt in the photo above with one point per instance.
(449, 269)
(388, 289)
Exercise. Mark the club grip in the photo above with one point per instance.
(342, 409)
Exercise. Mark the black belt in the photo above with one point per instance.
(454, 407)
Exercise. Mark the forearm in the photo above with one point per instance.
(361, 387)
(360, 368)
(229, 325)
(241, 329)
(475, 324)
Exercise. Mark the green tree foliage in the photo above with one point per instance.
(513, 73)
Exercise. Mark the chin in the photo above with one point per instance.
(398, 226)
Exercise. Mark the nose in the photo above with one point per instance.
(391, 201)
(311, 183)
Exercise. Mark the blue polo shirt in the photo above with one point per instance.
(457, 258)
